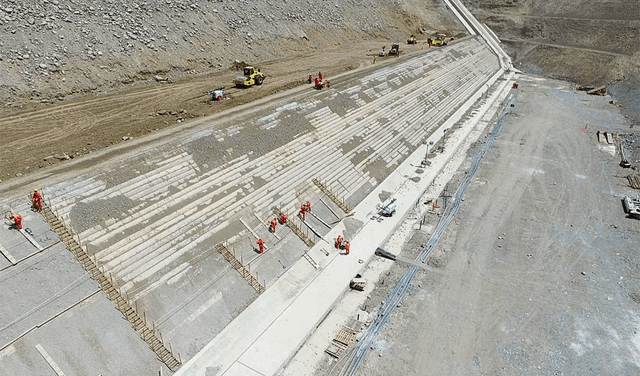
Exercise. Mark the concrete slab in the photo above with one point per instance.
(239, 369)
(211, 293)
(79, 347)
(39, 288)
(284, 315)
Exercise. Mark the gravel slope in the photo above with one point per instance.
(53, 49)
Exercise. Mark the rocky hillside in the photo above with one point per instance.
(51, 49)
(588, 42)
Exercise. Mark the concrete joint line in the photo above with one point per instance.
(8, 256)
(109, 287)
(49, 360)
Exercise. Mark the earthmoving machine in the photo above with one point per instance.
(439, 40)
(412, 40)
(382, 53)
(251, 77)
(395, 49)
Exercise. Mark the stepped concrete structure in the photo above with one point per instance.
(170, 229)
(168, 206)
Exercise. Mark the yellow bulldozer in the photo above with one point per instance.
(250, 77)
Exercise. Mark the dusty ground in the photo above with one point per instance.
(40, 138)
(538, 273)
(586, 42)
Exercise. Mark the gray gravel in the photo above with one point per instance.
(51, 49)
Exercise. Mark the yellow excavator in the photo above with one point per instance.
(412, 40)
(251, 77)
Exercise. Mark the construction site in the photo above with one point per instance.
(341, 188)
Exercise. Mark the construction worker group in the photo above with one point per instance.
(318, 81)
(304, 209)
(282, 219)
(342, 244)
(36, 204)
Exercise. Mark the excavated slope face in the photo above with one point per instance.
(588, 42)
(54, 48)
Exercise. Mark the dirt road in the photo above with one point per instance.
(40, 138)
(538, 274)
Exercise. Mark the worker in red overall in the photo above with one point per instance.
(316, 82)
(260, 244)
(303, 212)
(320, 75)
(339, 241)
(283, 218)
(346, 247)
(37, 200)
(17, 221)
(308, 206)
(274, 223)
(310, 78)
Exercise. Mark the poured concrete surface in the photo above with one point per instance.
(152, 218)
(50, 302)
(265, 336)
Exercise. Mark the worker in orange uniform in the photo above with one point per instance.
(260, 244)
(17, 221)
(320, 75)
(346, 247)
(303, 212)
(339, 241)
(274, 223)
(308, 206)
(36, 200)
(283, 218)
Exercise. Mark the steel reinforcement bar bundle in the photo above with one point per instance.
(356, 357)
